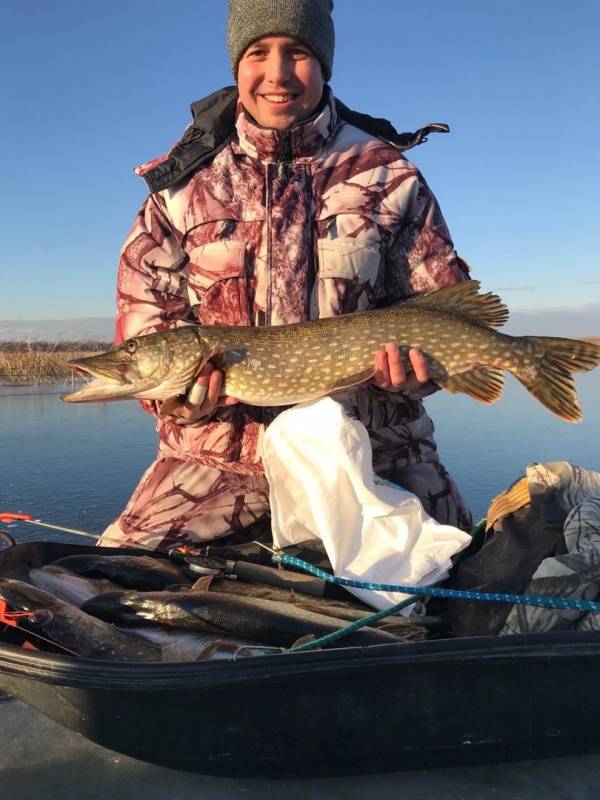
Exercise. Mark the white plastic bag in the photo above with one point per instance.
(318, 463)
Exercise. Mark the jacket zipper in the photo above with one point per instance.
(285, 157)
(285, 150)
(268, 203)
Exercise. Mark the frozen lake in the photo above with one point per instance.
(76, 465)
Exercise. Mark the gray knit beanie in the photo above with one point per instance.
(309, 21)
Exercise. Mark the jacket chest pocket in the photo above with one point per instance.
(348, 266)
(217, 288)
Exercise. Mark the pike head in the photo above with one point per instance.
(157, 366)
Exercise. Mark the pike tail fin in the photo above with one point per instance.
(552, 382)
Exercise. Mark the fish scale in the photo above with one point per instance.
(454, 328)
(338, 352)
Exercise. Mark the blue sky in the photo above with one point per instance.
(90, 89)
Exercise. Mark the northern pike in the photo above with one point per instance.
(143, 573)
(402, 627)
(70, 628)
(185, 646)
(454, 327)
(68, 586)
(262, 621)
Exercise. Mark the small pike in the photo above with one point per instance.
(69, 587)
(144, 573)
(264, 621)
(282, 365)
(70, 628)
(178, 645)
(402, 627)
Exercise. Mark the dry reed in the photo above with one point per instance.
(32, 364)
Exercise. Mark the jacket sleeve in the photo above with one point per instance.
(421, 248)
(151, 284)
(421, 257)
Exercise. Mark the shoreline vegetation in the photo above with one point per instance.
(47, 362)
(42, 362)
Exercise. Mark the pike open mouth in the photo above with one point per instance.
(91, 390)
(90, 377)
(111, 372)
(98, 383)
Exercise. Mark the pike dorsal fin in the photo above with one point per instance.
(463, 298)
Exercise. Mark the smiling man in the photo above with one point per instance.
(279, 205)
(280, 81)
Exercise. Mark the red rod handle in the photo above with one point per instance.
(11, 516)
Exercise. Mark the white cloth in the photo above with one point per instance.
(318, 462)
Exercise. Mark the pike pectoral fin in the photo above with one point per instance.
(194, 397)
(168, 406)
(482, 384)
(353, 380)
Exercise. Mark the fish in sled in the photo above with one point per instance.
(341, 710)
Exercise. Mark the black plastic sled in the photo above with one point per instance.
(332, 712)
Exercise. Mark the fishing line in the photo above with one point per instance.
(14, 615)
(41, 638)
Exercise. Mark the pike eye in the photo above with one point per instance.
(131, 346)
(41, 616)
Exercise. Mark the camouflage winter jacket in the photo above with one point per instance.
(278, 227)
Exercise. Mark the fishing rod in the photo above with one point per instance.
(199, 560)
(13, 516)
(174, 553)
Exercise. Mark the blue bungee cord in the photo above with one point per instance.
(419, 592)
(433, 591)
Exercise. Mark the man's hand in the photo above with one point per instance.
(203, 397)
(390, 373)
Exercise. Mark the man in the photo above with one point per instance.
(290, 213)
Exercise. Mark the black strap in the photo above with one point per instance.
(383, 128)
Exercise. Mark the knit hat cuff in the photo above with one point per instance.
(309, 21)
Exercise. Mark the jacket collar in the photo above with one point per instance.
(212, 129)
(303, 140)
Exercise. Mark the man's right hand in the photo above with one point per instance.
(207, 386)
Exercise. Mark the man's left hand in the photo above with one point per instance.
(390, 373)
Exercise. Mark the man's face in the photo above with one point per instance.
(280, 81)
